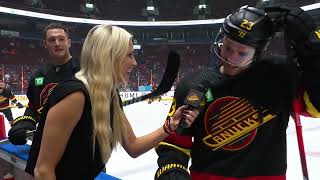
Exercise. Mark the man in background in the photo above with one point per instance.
(59, 66)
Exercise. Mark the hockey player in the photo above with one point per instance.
(61, 66)
(154, 98)
(6, 98)
(240, 133)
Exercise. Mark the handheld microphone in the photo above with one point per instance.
(193, 100)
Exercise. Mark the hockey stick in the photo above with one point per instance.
(295, 100)
(169, 76)
(295, 109)
(296, 118)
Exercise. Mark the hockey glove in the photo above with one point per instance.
(299, 28)
(172, 163)
(298, 24)
(17, 135)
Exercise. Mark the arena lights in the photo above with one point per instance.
(123, 23)
(96, 21)
(150, 8)
(311, 7)
(89, 5)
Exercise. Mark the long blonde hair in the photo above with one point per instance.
(103, 52)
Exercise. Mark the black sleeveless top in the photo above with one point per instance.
(78, 160)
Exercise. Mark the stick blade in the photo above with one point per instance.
(168, 78)
(170, 74)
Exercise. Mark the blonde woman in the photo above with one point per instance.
(83, 119)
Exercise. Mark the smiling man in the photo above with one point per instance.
(59, 66)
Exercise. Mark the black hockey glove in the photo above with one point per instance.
(296, 23)
(173, 164)
(304, 36)
(17, 135)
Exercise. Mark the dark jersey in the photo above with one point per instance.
(77, 161)
(241, 130)
(235, 107)
(42, 78)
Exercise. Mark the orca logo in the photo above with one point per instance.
(231, 123)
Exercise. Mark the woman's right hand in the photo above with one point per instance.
(183, 114)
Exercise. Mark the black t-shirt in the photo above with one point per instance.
(45, 75)
(77, 161)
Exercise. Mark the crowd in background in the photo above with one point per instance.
(20, 57)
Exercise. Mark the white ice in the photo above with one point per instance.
(145, 118)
